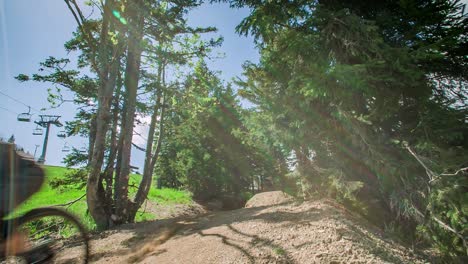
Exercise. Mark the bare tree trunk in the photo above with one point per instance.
(151, 160)
(92, 138)
(132, 72)
(119, 156)
(95, 201)
(145, 183)
(281, 169)
(119, 145)
(304, 168)
(95, 197)
(113, 144)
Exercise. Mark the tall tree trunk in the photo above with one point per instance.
(281, 168)
(304, 168)
(119, 145)
(92, 138)
(113, 144)
(151, 157)
(95, 198)
(145, 183)
(132, 74)
(119, 156)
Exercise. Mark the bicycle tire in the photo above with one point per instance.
(39, 213)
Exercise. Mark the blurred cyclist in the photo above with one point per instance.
(20, 177)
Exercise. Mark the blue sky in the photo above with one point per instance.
(32, 30)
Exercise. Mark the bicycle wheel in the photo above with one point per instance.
(54, 236)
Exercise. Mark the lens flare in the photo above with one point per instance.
(119, 17)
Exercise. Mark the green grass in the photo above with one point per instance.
(169, 196)
(279, 251)
(48, 196)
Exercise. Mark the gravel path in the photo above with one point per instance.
(274, 229)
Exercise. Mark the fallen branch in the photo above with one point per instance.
(448, 174)
(433, 177)
(68, 204)
(429, 172)
(446, 227)
(454, 174)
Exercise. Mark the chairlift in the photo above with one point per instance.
(37, 131)
(83, 150)
(66, 148)
(25, 117)
(62, 134)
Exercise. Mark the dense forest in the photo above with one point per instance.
(361, 101)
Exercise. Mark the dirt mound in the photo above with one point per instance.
(268, 199)
(311, 232)
(166, 211)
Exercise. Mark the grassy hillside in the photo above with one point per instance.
(49, 196)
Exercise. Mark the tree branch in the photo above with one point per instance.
(429, 172)
(80, 20)
(138, 147)
(432, 177)
(68, 204)
(454, 174)
(446, 227)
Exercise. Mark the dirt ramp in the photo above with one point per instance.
(312, 232)
(269, 199)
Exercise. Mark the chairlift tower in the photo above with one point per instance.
(45, 122)
(35, 150)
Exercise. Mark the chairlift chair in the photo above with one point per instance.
(66, 148)
(37, 131)
(83, 150)
(62, 134)
(25, 117)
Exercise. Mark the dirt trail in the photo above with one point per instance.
(274, 229)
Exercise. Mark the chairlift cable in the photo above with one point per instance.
(18, 101)
(8, 110)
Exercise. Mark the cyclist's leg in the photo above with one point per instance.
(20, 177)
(5, 150)
(30, 177)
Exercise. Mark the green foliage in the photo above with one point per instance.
(48, 195)
(142, 216)
(170, 196)
(448, 202)
(365, 101)
(346, 86)
(342, 190)
(71, 179)
(279, 251)
(58, 73)
(207, 151)
(64, 185)
(47, 227)
(76, 158)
